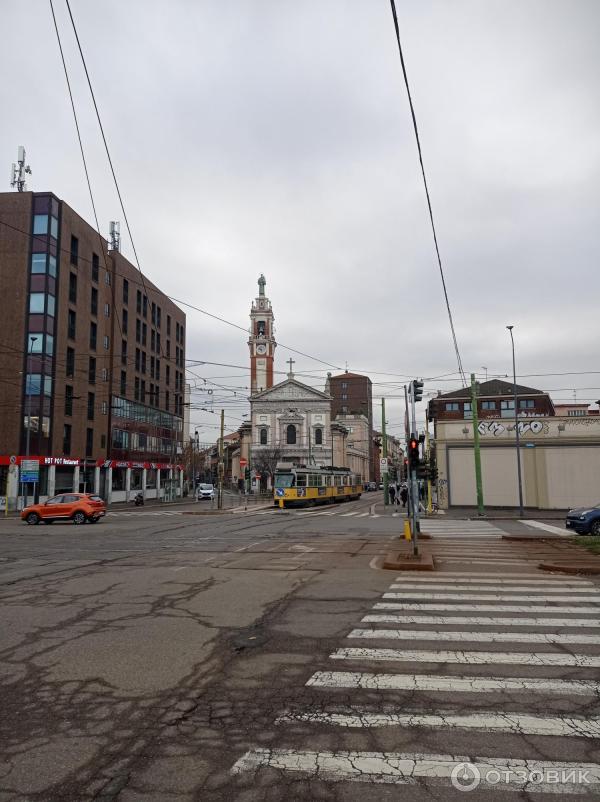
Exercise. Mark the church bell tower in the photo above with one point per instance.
(262, 341)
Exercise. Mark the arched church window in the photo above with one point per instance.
(261, 328)
(263, 437)
(319, 437)
(291, 435)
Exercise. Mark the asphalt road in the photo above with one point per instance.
(259, 655)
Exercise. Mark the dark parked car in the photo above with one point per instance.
(584, 520)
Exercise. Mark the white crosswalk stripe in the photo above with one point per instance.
(543, 623)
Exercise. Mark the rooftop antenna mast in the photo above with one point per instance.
(114, 237)
(17, 174)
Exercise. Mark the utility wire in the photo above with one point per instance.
(437, 250)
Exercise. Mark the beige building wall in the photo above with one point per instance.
(560, 463)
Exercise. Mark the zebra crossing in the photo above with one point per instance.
(516, 676)
(320, 513)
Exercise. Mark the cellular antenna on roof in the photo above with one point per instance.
(17, 174)
(114, 236)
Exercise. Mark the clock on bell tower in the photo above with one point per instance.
(262, 341)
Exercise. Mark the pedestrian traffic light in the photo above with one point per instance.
(247, 473)
(413, 453)
(417, 390)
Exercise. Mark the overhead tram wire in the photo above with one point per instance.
(437, 250)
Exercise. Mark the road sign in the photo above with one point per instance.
(383, 465)
(30, 471)
(243, 462)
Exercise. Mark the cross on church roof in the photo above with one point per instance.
(290, 374)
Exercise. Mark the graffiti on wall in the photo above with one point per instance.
(495, 428)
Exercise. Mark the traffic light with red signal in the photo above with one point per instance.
(413, 453)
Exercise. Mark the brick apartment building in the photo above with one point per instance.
(352, 394)
(92, 358)
(495, 399)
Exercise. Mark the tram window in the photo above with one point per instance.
(284, 480)
(337, 480)
(301, 480)
(327, 480)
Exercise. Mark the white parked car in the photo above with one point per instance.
(205, 491)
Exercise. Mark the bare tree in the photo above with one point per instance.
(264, 461)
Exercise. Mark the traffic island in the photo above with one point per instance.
(572, 567)
(404, 560)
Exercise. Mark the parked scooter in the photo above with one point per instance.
(138, 500)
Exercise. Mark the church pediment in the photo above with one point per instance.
(291, 390)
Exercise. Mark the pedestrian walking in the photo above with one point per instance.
(392, 492)
(404, 496)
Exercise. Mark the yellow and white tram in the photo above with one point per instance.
(300, 486)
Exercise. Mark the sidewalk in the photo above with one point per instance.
(470, 513)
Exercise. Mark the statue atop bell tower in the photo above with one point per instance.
(262, 341)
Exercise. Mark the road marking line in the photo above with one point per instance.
(374, 515)
(516, 723)
(480, 576)
(399, 768)
(348, 514)
(474, 620)
(469, 657)
(493, 588)
(491, 607)
(557, 530)
(489, 597)
(431, 682)
(482, 637)
(364, 515)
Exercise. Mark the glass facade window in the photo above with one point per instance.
(49, 345)
(54, 227)
(35, 343)
(47, 385)
(51, 305)
(33, 385)
(38, 262)
(40, 223)
(37, 302)
(52, 265)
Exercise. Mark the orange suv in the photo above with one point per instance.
(76, 507)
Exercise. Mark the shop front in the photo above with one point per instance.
(24, 480)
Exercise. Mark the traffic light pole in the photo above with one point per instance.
(414, 490)
(386, 491)
(221, 465)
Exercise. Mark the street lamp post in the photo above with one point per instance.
(518, 445)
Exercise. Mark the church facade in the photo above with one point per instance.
(289, 421)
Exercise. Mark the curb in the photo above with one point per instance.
(571, 568)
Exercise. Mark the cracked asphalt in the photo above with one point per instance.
(192, 657)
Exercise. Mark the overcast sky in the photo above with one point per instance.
(275, 136)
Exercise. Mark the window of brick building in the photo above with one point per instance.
(92, 370)
(89, 442)
(95, 267)
(70, 363)
(94, 301)
(71, 324)
(93, 335)
(73, 288)
(67, 438)
(125, 291)
(68, 400)
(74, 250)
(91, 403)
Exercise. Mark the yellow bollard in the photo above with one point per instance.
(280, 503)
(407, 534)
